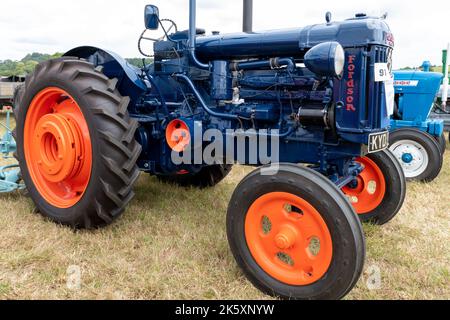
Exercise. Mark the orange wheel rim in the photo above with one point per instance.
(57, 146)
(288, 238)
(370, 189)
(177, 135)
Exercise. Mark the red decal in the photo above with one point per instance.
(390, 39)
(350, 84)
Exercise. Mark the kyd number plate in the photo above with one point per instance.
(378, 141)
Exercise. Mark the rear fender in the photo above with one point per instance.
(129, 84)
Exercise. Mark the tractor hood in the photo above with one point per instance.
(359, 31)
(417, 82)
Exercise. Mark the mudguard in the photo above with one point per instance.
(129, 78)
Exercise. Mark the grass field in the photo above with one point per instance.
(171, 244)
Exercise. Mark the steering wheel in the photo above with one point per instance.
(167, 30)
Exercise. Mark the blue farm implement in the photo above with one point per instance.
(416, 140)
(88, 123)
(9, 174)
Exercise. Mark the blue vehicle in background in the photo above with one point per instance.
(416, 140)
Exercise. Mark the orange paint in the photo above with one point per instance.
(371, 188)
(291, 234)
(57, 146)
(178, 136)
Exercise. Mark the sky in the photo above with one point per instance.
(421, 28)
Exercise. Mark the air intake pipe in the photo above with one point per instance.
(193, 35)
(247, 27)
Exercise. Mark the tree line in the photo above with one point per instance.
(11, 68)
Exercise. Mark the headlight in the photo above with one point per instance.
(326, 59)
(339, 60)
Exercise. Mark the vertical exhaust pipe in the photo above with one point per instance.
(445, 86)
(247, 25)
(193, 34)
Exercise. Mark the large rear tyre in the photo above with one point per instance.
(418, 153)
(295, 235)
(76, 143)
(205, 178)
(380, 189)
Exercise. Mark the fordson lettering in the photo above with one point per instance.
(351, 83)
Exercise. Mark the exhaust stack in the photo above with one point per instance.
(445, 88)
(193, 35)
(247, 25)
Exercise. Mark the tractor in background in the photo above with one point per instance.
(416, 140)
(441, 110)
(88, 123)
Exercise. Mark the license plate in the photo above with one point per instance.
(378, 141)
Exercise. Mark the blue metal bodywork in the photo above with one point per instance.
(258, 81)
(415, 94)
(356, 32)
(129, 77)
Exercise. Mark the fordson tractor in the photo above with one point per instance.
(312, 100)
(417, 141)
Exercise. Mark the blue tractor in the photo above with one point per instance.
(417, 141)
(89, 122)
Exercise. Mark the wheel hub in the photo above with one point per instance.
(370, 188)
(57, 147)
(286, 238)
(60, 147)
(407, 158)
(412, 155)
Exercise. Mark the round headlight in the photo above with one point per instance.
(339, 60)
(326, 59)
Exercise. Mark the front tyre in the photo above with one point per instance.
(379, 191)
(442, 142)
(76, 145)
(418, 153)
(294, 234)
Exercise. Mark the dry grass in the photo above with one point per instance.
(171, 244)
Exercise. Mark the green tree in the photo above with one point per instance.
(27, 65)
(137, 62)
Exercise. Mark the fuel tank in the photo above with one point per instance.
(355, 32)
